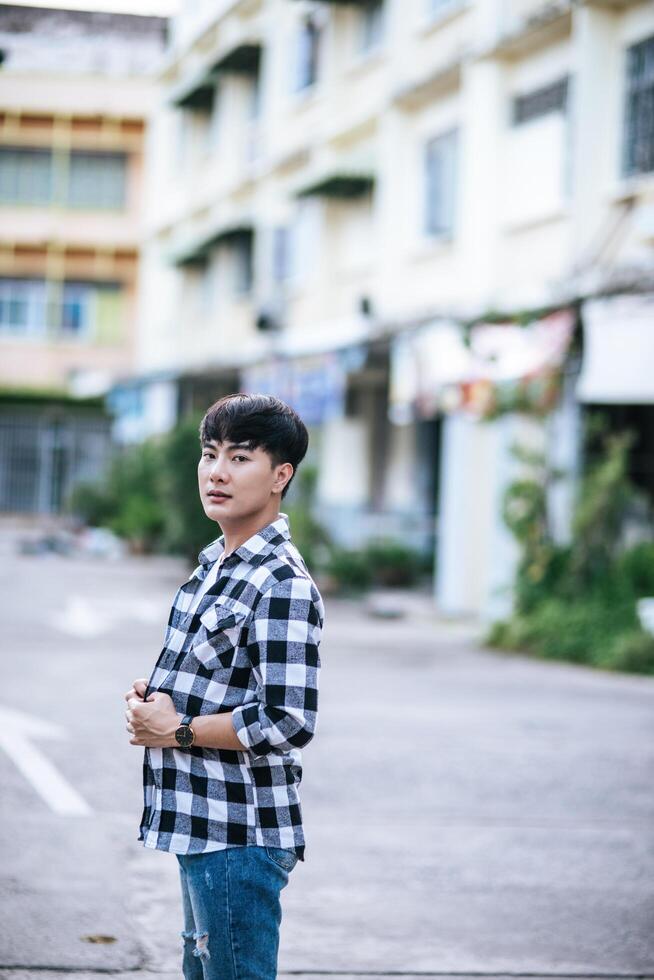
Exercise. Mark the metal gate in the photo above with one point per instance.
(45, 453)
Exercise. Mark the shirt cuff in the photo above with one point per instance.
(246, 724)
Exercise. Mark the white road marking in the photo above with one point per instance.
(78, 618)
(83, 618)
(16, 730)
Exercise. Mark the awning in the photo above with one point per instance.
(340, 184)
(348, 3)
(198, 92)
(244, 59)
(618, 361)
(197, 252)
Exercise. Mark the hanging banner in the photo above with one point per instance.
(314, 386)
(424, 363)
(498, 367)
(618, 351)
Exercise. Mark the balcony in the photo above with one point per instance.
(420, 91)
(525, 25)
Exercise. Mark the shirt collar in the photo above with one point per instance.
(257, 547)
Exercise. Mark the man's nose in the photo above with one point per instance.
(218, 469)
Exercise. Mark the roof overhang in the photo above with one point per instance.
(198, 91)
(197, 253)
(244, 59)
(339, 184)
(349, 3)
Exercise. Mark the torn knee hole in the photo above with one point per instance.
(202, 946)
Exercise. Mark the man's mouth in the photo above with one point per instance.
(218, 495)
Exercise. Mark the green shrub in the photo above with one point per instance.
(187, 529)
(635, 568)
(93, 503)
(128, 500)
(581, 631)
(578, 603)
(632, 651)
(392, 563)
(309, 535)
(350, 569)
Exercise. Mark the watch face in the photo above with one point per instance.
(184, 736)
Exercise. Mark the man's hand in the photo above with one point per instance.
(152, 723)
(137, 690)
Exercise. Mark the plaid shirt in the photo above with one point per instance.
(251, 647)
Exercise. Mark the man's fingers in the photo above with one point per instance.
(137, 690)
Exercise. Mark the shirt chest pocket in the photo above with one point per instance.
(220, 640)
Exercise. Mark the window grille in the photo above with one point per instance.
(25, 176)
(540, 102)
(639, 114)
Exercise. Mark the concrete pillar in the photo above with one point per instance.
(596, 133)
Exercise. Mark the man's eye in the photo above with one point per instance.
(241, 457)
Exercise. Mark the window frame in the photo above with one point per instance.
(635, 89)
(439, 231)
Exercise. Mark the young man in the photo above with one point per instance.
(233, 698)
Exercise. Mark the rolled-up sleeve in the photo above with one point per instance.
(284, 637)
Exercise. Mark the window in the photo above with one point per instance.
(540, 102)
(96, 180)
(440, 161)
(242, 258)
(31, 176)
(25, 176)
(34, 307)
(216, 119)
(281, 254)
(305, 234)
(22, 306)
(75, 314)
(372, 25)
(308, 55)
(639, 114)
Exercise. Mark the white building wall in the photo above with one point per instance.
(541, 212)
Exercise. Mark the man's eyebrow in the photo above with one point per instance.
(229, 445)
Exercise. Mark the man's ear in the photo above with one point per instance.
(284, 474)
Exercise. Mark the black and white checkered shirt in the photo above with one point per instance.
(251, 647)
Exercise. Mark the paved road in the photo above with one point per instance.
(467, 813)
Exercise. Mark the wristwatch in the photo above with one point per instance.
(184, 735)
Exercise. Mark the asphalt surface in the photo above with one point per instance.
(467, 813)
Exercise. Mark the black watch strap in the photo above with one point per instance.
(186, 720)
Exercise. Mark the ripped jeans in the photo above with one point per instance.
(232, 911)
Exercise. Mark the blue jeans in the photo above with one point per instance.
(232, 911)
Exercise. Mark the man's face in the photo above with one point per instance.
(237, 483)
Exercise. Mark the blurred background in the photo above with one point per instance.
(428, 225)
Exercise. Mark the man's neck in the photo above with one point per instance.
(237, 534)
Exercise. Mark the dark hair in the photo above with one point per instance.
(260, 421)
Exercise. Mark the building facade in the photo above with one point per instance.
(75, 91)
(345, 201)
